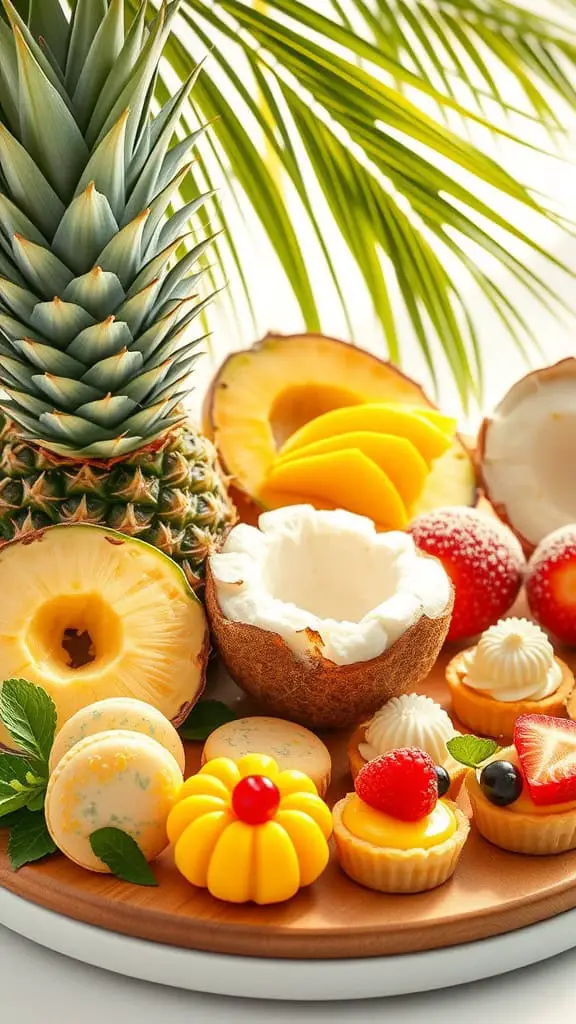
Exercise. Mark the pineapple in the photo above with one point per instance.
(97, 615)
(96, 298)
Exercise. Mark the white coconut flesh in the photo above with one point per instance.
(327, 583)
(529, 461)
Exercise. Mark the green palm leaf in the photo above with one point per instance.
(348, 116)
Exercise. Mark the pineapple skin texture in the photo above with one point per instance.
(172, 496)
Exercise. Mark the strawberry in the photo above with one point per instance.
(547, 751)
(402, 783)
(483, 559)
(551, 584)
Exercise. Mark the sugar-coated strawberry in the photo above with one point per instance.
(483, 559)
(402, 783)
(551, 583)
(547, 751)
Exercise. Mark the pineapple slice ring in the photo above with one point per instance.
(91, 614)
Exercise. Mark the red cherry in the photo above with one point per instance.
(255, 799)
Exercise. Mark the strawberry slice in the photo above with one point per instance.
(547, 751)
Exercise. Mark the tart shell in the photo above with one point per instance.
(397, 871)
(490, 717)
(536, 834)
(357, 761)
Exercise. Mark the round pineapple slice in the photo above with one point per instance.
(88, 613)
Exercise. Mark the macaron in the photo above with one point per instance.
(117, 713)
(115, 779)
(291, 746)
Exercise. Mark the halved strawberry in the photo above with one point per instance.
(547, 751)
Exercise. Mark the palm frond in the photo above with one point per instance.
(364, 111)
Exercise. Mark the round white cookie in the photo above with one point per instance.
(114, 779)
(117, 713)
(291, 746)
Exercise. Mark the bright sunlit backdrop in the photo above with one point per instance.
(546, 166)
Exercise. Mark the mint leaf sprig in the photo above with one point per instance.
(29, 715)
(471, 750)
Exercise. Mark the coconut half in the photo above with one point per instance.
(527, 453)
(322, 618)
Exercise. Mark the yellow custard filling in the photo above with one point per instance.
(525, 804)
(382, 830)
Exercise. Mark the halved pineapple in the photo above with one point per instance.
(88, 613)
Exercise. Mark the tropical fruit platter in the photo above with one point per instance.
(294, 681)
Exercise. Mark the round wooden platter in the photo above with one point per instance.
(492, 892)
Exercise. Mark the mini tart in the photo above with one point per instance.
(489, 717)
(389, 870)
(357, 761)
(544, 832)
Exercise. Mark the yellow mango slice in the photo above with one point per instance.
(274, 498)
(379, 418)
(276, 872)
(194, 849)
(348, 479)
(258, 764)
(231, 867)
(310, 845)
(395, 456)
(447, 424)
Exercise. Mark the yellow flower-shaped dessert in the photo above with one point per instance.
(247, 831)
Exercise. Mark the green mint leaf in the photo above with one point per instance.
(121, 853)
(29, 840)
(8, 804)
(20, 786)
(12, 818)
(29, 715)
(35, 801)
(471, 750)
(204, 718)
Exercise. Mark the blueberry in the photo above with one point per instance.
(501, 783)
(443, 779)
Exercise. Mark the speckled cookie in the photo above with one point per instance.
(117, 713)
(114, 779)
(291, 746)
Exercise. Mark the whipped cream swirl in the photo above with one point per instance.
(514, 660)
(411, 720)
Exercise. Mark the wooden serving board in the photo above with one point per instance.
(492, 892)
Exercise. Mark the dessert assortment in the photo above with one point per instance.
(329, 620)
(356, 551)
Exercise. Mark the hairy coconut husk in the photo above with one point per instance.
(313, 690)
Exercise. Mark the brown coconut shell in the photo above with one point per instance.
(313, 690)
(563, 368)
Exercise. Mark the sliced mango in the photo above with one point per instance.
(447, 424)
(346, 478)
(378, 418)
(395, 456)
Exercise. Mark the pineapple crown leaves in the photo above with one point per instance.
(95, 303)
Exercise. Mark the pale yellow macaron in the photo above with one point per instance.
(114, 779)
(291, 746)
(117, 713)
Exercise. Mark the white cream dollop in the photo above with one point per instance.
(411, 720)
(514, 660)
